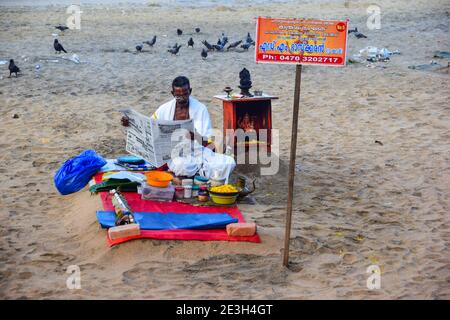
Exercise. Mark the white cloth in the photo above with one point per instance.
(197, 111)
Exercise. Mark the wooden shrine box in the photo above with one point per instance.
(255, 110)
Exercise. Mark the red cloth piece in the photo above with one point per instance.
(164, 167)
(139, 205)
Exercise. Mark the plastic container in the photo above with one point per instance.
(156, 193)
(221, 199)
(187, 192)
(159, 179)
(187, 182)
(195, 190)
(179, 192)
(200, 181)
(203, 194)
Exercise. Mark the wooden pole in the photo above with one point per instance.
(287, 235)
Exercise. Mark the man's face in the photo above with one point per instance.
(182, 94)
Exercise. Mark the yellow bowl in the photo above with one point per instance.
(223, 194)
(220, 199)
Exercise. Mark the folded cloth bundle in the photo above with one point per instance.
(124, 185)
(136, 167)
(125, 175)
(131, 159)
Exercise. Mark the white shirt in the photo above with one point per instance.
(197, 112)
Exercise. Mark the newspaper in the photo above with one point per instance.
(152, 139)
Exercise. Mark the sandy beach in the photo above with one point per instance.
(357, 203)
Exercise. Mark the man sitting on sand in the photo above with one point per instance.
(203, 159)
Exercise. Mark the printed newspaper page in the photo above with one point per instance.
(167, 134)
(152, 139)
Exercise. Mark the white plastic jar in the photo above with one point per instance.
(188, 191)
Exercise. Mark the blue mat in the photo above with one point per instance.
(170, 221)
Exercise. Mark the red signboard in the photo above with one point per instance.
(301, 41)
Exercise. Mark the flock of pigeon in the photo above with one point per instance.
(220, 46)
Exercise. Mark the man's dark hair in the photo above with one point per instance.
(180, 81)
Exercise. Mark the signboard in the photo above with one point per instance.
(301, 41)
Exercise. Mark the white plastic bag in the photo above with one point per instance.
(183, 166)
(75, 58)
(203, 160)
(216, 165)
(375, 54)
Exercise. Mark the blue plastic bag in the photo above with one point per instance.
(76, 172)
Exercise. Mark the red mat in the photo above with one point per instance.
(139, 205)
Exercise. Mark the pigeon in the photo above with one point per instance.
(222, 42)
(204, 54)
(179, 32)
(249, 39)
(139, 47)
(234, 44)
(207, 45)
(223, 39)
(197, 30)
(61, 28)
(174, 50)
(152, 42)
(217, 47)
(191, 42)
(245, 46)
(352, 30)
(359, 35)
(58, 47)
(12, 68)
